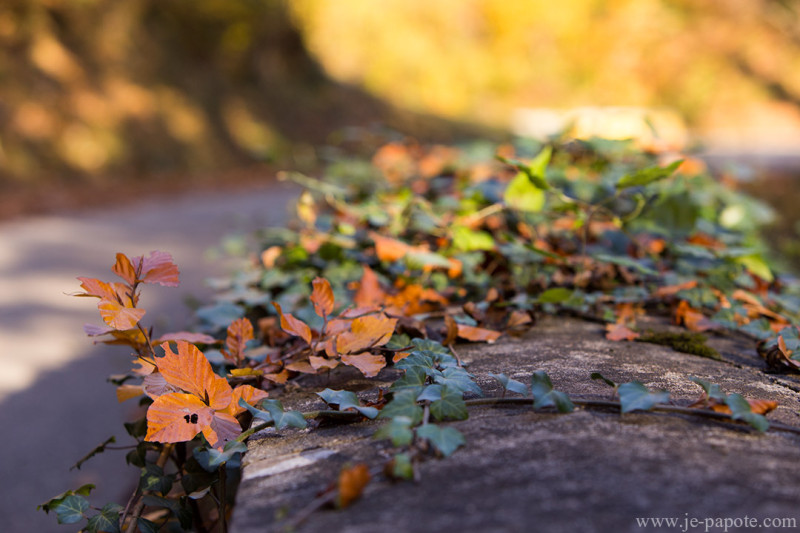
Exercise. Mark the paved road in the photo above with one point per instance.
(55, 405)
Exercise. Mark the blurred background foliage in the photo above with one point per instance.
(106, 90)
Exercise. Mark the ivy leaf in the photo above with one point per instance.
(146, 526)
(523, 195)
(398, 430)
(401, 467)
(71, 509)
(626, 262)
(275, 413)
(211, 458)
(712, 390)
(153, 479)
(556, 295)
(450, 406)
(545, 396)
(457, 378)
(404, 403)
(55, 501)
(509, 384)
(740, 410)
(535, 170)
(430, 393)
(648, 175)
(446, 440)
(107, 520)
(601, 377)
(469, 240)
(635, 396)
(346, 400)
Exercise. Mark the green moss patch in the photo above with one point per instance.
(686, 342)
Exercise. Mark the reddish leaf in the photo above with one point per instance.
(620, 332)
(388, 249)
(300, 366)
(293, 326)
(154, 385)
(105, 291)
(670, 290)
(369, 293)
(317, 362)
(322, 297)
(366, 332)
(239, 333)
(190, 371)
(369, 364)
(247, 393)
(472, 333)
(691, 318)
(279, 377)
(119, 317)
(351, 484)
(177, 417)
(124, 269)
(159, 268)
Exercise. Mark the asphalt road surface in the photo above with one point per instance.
(55, 403)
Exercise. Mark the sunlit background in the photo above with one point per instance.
(134, 87)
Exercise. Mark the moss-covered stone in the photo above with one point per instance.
(686, 342)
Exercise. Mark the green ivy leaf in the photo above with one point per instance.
(634, 396)
(404, 403)
(601, 377)
(55, 501)
(178, 508)
(740, 410)
(545, 396)
(275, 413)
(450, 406)
(646, 176)
(153, 479)
(430, 393)
(556, 295)
(71, 509)
(211, 458)
(509, 384)
(522, 195)
(712, 390)
(458, 378)
(535, 170)
(402, 467)
(107, 521)
(446, 440)
(398, 430)
(146, 526)
(626, 262)
(469, 240)
(346, 400)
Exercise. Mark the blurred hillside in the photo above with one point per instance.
(97, 91)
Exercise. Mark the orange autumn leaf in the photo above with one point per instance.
(124, 269)
(451, 330)
(270, 255)
(369, 364)
(239, 333)
(247, 393)
(118, 316)
(414, 299)
(388, 249)
(759, 407)
(322, 297)
(365, 332)
(620, 332)
(670, 290)
(351, 484)
(369, 293)
(105, 291)
(317, 362)
(190, 371)
(278, 377)
(177, 417)
(476, 334)
(292, 325)
(300, 366)
(126, 392)
(691, 318)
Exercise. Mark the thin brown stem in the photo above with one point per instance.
(139, 507)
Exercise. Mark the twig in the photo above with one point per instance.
(455, 354)
(610, 404)
(137, 510)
